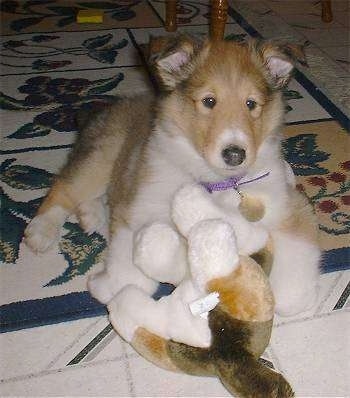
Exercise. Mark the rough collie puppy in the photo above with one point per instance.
(219, 116)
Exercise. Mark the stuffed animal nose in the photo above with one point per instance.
(233, 155)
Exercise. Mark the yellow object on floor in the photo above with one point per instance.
(90, 16)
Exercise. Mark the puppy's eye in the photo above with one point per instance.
(209, 102)
(251, 104)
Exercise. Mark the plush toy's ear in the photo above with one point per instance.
(278, 59)
(172, 57)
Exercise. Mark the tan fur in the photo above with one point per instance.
(245, 294)
(102, 149)
(302, 220)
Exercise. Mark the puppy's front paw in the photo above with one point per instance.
(41, 233)
(295, 302)
(92, 215)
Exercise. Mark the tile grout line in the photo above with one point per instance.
(72, 344)
(310, 318)
(343, 298)
(129, 377)
(329, 292)
(63, 369)
(89, 347)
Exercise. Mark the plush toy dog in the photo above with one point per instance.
(218, 321)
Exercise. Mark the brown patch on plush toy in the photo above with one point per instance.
(153, 348)
(244, 294)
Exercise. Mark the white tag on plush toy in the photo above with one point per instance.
(203, 305)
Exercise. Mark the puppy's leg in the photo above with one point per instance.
(63, 199)
(161, 253)
(295, 271)
(92, 214)
(119, 269)
(84, 178)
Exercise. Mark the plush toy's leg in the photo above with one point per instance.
(193, 204)
(169, 317)
(295, 273)
(161, 253)
(247, 377)
(119, 269)
(212, 251)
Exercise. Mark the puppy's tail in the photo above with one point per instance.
(251, 379)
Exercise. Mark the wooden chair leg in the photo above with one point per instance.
(218, 18)
(327, 15)
(170, 15)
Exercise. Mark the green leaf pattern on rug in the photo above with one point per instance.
(30, 130)
(81, 251)
(13, 215)
(302, 153)
(24, 176)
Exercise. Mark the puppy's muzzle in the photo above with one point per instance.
(233, 155)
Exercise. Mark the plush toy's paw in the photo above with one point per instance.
(160, 253)
(92, 215)
(192, 204)
(212, 251)
(100, 287)
(124, 309)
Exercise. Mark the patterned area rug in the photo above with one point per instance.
(51, 67)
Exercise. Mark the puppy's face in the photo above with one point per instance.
(226, 98)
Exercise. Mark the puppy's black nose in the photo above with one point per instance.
(233, 155)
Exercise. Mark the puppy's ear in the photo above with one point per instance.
(172, 58)
(278, 59)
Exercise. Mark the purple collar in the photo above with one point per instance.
(232, 182)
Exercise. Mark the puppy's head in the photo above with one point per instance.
(224, 96)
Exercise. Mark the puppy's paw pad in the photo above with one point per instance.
(41, 233)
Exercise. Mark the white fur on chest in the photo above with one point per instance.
(172, 162)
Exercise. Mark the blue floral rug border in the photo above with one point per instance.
(74, 306)
(68, 307)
